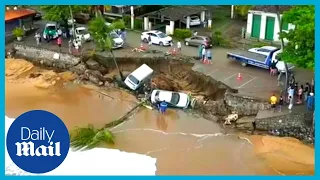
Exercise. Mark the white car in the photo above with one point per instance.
(118, 41)
(194, 20)
(82, 34)
(157, 37)
(174, 99)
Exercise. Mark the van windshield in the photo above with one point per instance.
(133, 79)
(175, 98)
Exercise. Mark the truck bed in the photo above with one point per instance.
(249, 55)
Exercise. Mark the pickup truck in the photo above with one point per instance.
(260, 57)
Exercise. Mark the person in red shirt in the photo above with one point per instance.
(59, 42)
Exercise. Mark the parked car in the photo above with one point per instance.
(118, 41)
(194, 20)
(157, 37)
(82, 34)
(199, 40)
(51, 29)
(37, 16)
(82, 18)
(174, 99)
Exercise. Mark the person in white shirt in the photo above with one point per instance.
(179, 46)
(203, 54)
(59, 32)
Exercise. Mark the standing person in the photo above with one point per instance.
(149, 40)
(280, 103)
(59, 42)
(310, 101)
(59, 32)
(273, 101)
(290, 103)
(290, 92)
(203, 53)
(300, 94)
(70, 45)
(37, 37)
(195, 33)
(179, 46)
(209, 56)
(306, 91)
(292, 80)
(163, 107)
(273, 68)
(200, 51)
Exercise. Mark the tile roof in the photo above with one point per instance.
(271, 9)
(15, 14)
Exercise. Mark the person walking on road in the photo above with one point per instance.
(203, 53)
(38, 38)
(70, 45)
(273, 68)
(200, 51)
(290, 93)
(59, 42)
(273, 101)
(149, 40)
(306, 91)
(209, 56)
(179, 46)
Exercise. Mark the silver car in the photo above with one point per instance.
(198, 40)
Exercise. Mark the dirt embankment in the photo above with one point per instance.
(171, 75)
(21, 71)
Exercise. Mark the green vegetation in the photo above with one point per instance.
(100, 33)
(301, 46)
(218, 39)
(90, 137)
(18, 32)
(61, 13)
(182, 34)
(242, 11)
(138, 23)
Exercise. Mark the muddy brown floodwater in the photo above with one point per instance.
(183, 143)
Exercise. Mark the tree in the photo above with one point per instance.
(300, 48)
(61, 13)
(101, 34)
(242, 10)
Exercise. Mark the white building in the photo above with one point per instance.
(262, 23)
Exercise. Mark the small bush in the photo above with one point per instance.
(18, 32)
(219, 40)
(126, 19)
(138, 23)
(182, 33)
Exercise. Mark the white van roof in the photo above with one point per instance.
(142, 72)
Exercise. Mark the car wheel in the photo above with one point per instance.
(187, 43)
(161, 43)
(244, 64)
(145, 40)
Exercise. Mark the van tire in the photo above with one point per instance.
(161, 43)
(187, 43)
(244, 64)
(145, 40)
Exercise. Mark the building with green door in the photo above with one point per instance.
(262, 23)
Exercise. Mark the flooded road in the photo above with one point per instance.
(183, 143)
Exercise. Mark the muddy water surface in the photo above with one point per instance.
(183, 143)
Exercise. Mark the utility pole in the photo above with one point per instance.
(132, 17)
(232, 11)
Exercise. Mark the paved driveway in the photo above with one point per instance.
(254, 82)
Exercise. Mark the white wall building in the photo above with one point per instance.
(262, 23)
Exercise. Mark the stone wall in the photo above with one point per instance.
(298, 125)
(45, 57)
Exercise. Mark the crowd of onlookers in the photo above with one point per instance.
(296, 94)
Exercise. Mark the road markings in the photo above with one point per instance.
(229, 77)
(212, 72)
(247, 82)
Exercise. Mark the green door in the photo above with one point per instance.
(270, 28)
(256, 23)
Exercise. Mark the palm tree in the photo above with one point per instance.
(100, 32)
(280, 23)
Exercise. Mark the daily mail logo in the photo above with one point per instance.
(38, 141)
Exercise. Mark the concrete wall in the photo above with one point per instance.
(263, 25)
(45, 56)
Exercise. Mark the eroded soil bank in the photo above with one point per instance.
(199, 146)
